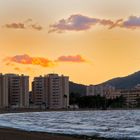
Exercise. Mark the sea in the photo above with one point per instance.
(109, 124)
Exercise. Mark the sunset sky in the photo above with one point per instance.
(89, 40)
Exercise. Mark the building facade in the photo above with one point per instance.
(132, 96)
(102, 90)
(39, 93)
(3, 91)
(18, 90)
(51, 90)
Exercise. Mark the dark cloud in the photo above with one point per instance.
(133, 22)
(74, 23)
(28, 24)
(36, 27)
(79, 22)
(15, 25)
(116, 24)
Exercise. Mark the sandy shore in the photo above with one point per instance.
(14, 134)
(25, 110)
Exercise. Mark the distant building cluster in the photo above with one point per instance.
(131, 95)
(50, 91)
(102, 90)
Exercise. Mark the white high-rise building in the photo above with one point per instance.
(3, 91)
(51, 90)
(39, 94)
(18, 90)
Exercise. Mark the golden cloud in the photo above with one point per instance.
(26, 59)
(41, 61)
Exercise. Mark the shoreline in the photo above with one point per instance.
(16, 134)
(25, 110)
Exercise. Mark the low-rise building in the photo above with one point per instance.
(102, 90)
(131, 96)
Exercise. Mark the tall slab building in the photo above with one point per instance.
(18, 90)
(3, 91)
(51, 90)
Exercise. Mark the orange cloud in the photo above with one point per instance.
(70, 58)
(26, 69)
(40, 61)
(17, 69)
(26, 59)
(8, 63)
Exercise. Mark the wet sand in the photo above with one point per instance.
(15, 134)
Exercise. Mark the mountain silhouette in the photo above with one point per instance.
(126, 82)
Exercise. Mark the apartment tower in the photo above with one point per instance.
(51, 90)
(18, 90)
(3, 91)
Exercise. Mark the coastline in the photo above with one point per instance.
(16, 134)
(28, 110)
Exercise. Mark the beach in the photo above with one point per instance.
(15, 134)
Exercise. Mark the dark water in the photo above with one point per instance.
(109, 124)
